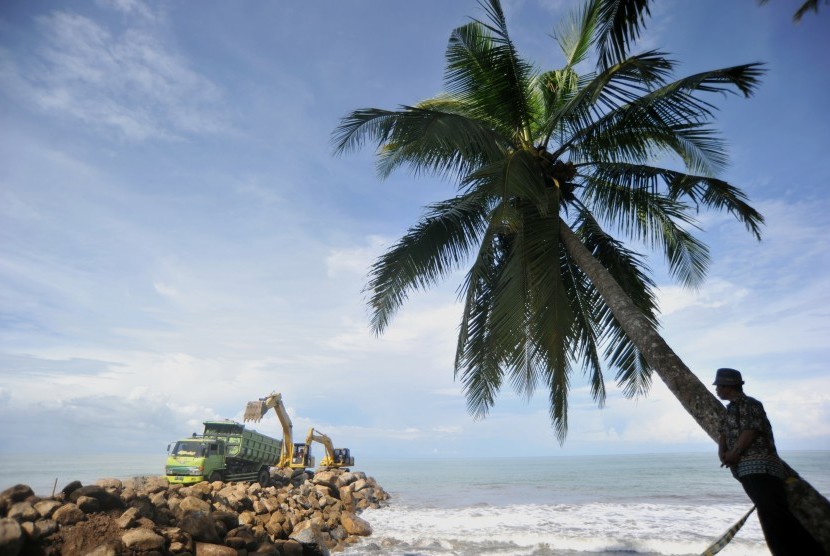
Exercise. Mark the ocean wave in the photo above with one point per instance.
(564, 529)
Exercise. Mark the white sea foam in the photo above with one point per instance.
(597, 528)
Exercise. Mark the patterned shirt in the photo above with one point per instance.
(761, 456)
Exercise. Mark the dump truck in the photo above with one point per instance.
(226, 451)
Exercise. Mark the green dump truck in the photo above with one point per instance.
(226, 451)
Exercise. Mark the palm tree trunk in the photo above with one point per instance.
(811, 508)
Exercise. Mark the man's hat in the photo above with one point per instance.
(728, 377)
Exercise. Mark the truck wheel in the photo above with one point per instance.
(264, 478)
(215, 476)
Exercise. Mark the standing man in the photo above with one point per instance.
(746, 446)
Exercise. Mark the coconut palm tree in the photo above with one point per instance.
(550, 167)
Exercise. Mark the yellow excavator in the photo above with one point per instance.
(293, 455)
(335, 457)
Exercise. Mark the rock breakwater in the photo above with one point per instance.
(297, 515)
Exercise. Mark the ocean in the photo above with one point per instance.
(638, 505)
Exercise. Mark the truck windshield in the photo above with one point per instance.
(190, 449)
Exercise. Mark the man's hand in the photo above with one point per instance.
(730, 458)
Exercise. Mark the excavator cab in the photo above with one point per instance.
(302, 457)
(343, 457)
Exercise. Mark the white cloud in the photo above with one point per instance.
(132, 80)
(165, 290)
(717, 293)
(129, 7)
(355, 260)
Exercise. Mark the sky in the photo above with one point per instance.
(177, 236)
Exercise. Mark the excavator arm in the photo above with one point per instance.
(255, 410)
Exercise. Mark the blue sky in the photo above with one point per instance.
(176, 237)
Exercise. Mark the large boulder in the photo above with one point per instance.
(193, 504)
(200, 526)
(291, 548)
(11, 537)
(210, 549)
(143, 506)
(106, 549)
(70, 488)
(110, 484)
(47, 507)
(142, 539)
(229, 520)
(129, 518)
(306, 532)
(107, 500)
(68, 514)
(39, 529)
(12, 495)
(88, 504)
(355, 525)
(23, 511)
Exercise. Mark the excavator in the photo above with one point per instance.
(335, 457)
(293, 455)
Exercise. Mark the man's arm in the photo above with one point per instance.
(731, 457)
(722, 448)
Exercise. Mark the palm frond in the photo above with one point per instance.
(585, 302)
(632, 201)
(431, 249)
(575, 35)
(633, 373)
(484, 69)
(711, 193)
(610, 90)
(669, 118)
(442, 143)
(619, 27)
(715, 193)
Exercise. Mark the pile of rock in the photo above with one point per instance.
(296, 515)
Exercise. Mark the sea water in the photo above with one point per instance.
(601, 505)
(652, 505)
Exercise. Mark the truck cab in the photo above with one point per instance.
(192, 460)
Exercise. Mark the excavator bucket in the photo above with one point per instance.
(255, 410)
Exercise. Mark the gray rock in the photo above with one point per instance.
(45, 527)
(23, 511)
(292, 548)
(128, 518)
(106, 499)
(346, 479)
(158, 500)
(68, 514)
(193, 504)
(71, 487)
(108, 549)
(200, 526)
(114, 484)
(210, 549)
(307, 532)
(229, 519)
(88, 504)
(17, 493)
(11, 537)
(152, 485)
(142, 539)
(245, 533)
(46, 507)
(355, 525)
(144, 507)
